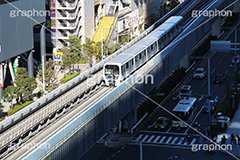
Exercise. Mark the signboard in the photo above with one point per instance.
(58, 56)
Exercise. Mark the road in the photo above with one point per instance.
(150, 152)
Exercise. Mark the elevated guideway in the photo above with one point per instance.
(29, 121)
(103, 114)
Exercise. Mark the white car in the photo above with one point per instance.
(199, 73)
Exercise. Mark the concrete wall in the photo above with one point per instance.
(87, 19)
(16, 32)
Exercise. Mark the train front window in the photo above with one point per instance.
(111, 71)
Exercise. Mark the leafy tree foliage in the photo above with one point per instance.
(10, 93)
(24, 85)
(50, 75)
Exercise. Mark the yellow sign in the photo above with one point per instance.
(58, 56)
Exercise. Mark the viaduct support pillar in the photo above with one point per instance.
(216, 28)
(30, 64)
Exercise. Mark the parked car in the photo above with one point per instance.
(185, 91)
(213, 103)
(199, 73)
(220, 123)
(162, 123)
(235, 60)
(219, 78)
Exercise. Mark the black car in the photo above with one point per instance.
(219, 78)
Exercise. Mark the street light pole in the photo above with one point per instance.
(209, 93)
(43, 72)
(141, 151)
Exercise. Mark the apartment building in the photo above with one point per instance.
(83, 18)
(71, 18)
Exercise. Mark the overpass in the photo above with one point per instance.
(96, 117)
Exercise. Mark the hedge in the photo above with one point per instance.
(69, 77)
(82, 62)
(18, 107)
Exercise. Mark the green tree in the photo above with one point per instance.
(98, 49)
(20, 82)
(89, 48)
(24, 84)
(113, 48)
(31, 85)
(68, 58)
(10, 93)
(75, 47)
(49, 75)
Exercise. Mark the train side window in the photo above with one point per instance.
(143, 53)
(140, 55)
(127, 65)
(132, 61)
(148, 50)
(159, 41)
(152, 47)
(123, 70)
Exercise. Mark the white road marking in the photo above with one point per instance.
(174, 140)
(145, 138)
(169, 139)
(213, 71)
(156, 139)
(180, 141)
(226, 72)
(139, 137)
(203, 83)
(193, 141)
(162, 139)
(150, 139)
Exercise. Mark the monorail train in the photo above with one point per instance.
(121, 66)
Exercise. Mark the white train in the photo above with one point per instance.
(121, 66)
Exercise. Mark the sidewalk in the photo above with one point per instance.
(118, 139)
(234, 128)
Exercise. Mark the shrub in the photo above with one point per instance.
(18, 107)
(69, 77)
(82, 62)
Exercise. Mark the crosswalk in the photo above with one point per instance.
(179, 140)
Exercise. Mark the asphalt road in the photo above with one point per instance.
(150, 152)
